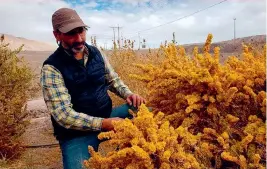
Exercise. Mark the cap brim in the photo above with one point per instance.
(71, 26)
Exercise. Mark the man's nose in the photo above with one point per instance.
(78, 37)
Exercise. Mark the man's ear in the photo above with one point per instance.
(57, 35)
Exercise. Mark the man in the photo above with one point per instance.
(75, 80)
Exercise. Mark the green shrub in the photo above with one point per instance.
(15, 83)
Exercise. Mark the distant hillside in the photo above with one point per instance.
(232, 46)
(29, 45)
(227, 48)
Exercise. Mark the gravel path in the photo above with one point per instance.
(39, 132)
(37, 108)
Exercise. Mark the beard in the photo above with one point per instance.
(76, 47)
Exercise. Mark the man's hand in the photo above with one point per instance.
(135, 100)
(107, 123)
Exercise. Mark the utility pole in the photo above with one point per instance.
(234, 28)
(114, 37)
(119, 35)
(139, 40)
(173, 38)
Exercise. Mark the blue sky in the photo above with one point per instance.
(105, 5)
(99, 5)
(31, 19)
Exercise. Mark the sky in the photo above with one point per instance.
(152, 20)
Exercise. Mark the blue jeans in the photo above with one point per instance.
(75, 151)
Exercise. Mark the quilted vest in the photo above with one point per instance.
(86, 85)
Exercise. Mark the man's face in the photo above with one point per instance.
(73, 40)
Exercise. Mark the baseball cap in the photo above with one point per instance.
(66, 19)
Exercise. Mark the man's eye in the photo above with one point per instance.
(80, 30)
(74, 32)
(71, 33)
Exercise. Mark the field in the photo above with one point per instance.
(39, 132)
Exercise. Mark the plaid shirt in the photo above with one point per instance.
(58, 100)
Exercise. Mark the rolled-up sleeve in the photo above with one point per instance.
(116, 85)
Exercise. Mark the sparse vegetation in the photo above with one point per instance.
(15, 84)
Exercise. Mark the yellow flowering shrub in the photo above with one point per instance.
(15, 82)
(147, 141)
(121, 60)
(211, 114)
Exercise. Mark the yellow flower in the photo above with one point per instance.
(232, 119)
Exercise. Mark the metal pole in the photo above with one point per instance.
(139, 39)
(118, 36)
(114, 37)
(173, 38)
(234, 28)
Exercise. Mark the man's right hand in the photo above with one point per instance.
(107, 123)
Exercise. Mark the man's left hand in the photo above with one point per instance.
(135, 100)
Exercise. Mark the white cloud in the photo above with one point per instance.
(32, 19)
(97, 20)
(151, 20)
(29, 19)
(91, 4)
(186, 23)
(131, 2)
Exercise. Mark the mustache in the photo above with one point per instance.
(76, 44)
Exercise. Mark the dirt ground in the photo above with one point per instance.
(41, 148)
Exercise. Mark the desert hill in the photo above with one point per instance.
(29, 45)
(232, 46)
